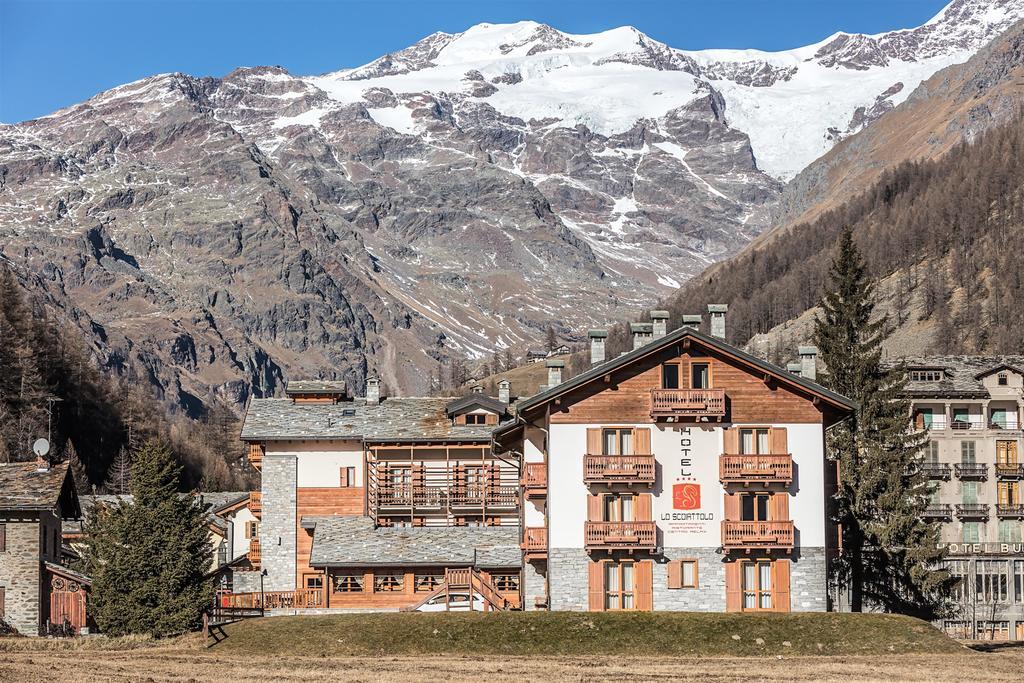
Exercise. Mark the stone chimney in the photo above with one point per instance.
(372, 391)
(554, 372)
(794, 368)
(808, 362)
(693, 321)
(43, 463)
(476, 389)
(504, 391)
(642, 333)
(717, 312)
(597, 340)
(659, 324)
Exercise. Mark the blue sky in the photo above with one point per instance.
(53, 54)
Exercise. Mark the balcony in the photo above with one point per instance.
(1004, 425)
(1011, 511)
(256, 504)
(535, 543)
(256, 453)
(255, 555)
(618, 469)
(938, 511)
(463, 495)
(1009, 471)
(748, 469)
(535, 480)
(972, 510)
(971, 471)
(620, 535)
(974, 422)
(302, 598)
(748, 536)
(935, 470)
(687, 403)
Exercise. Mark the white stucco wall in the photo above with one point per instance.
(319, 463)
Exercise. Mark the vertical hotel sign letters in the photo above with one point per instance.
(689, 518)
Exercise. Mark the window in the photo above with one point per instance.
(618, 586)
(1018, 580)
(670, 376)
(931, 454)
(969, 491)
(1002, 379)
(971, 532)
(754, 442)
(506, 583)
(618, 507)
(3, 538)
(960, 570)
(1009, 531)
(617, 441)
(682, 574)
(754, 507)
(993, 630)
(968, 453)
(348, 583)
(991, 582)
(998, 418)
(700, 376)
(313, 581)
(933, 493)
(926, 375)
(424, 583)
(961, 417)
(252, 529)
(388, 583)
(348, 476)
(757, 585)
(958, 629)
(1006, 452)
(399, 477)
(1008, 493)
(476, 418)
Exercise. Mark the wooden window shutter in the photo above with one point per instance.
(460, 419)
(732, 506)
(733, 587)
(594, 441)
(491, 419)
(780, 585)
(778, 507)
(643, 507)
(344, 477)
(731, 441)
(642, 441)
(3, 538)
(675, 574)
(645, 585)
(780, 441)
(595, 586)
(594, 511)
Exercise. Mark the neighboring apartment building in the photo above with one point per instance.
(683, 475)
(972, 408)
(35, 589)
(376, 503)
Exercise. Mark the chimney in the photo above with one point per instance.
(476, 389)
(597, 339)
(372, 391)
(642, 333)
(554, 372)
(659, 324)
(717, 312)
(794, 368)
(504, 391)
(693, 321)
(808, 362)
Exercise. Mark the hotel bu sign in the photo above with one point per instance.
(984, 548)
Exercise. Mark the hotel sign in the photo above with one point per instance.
(983, 548)
(689, 507)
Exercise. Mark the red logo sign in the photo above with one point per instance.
(685, 496)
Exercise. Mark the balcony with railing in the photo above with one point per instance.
(535, 480)
(971, 471)
(1009, 470)
(968, 423)
(302, 598)
(972, 510)
(942, 511)
(687, 403)
(1004, 424)
(256, 504)
(255, 554)
(535, 543)
(936, 470)
(1010, 510)
(748, 469)
(765, 535)
(618, 469)
(620, 535)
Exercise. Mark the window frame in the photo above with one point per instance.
(677, 369)
(621, 593)
(506, 582)
(760, 591)
(313, 576)
(619, 433)
(347, 476)
(616, 500)
(991, 586)
(755, 433)
(476, 419)
(389, 582)
(756, 496)
(348, 582)
(427, 581)
(706, 364)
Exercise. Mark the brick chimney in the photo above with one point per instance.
(694, 321)
(372, 391)
(717, 312)
(554, 372)
(597, 340)
(808, 362)
(659, 324)
(504, 391)
(642, 333)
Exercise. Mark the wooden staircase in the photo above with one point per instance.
(469, 580)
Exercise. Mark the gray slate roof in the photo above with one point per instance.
(216, 501)
(393, 419)
(960, 373)
(23, 486)
(354, 541)
(316, 386)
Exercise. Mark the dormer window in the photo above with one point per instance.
(926, 375)
(476, 418)
(1003, 380)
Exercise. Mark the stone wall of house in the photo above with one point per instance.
(21, 574)
(534, 584)
(808, 581)
(245, 582)
(277, 531)
(709, 596)
(568, 579)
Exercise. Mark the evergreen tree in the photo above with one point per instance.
(148, 558)
(890, 554)
(78, 471)
(550, 340)
(120, 474)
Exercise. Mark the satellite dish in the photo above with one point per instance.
(41, 447)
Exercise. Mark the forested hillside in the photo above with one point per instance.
(952, 228)
(97, 422)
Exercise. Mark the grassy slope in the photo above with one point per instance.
(637, 634)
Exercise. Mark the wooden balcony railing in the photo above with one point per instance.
(938, 511)
(746, 469)
(256, 503)
(757, 535)
(535, 542)
(296, 599)
(256, 453)
(609, 469)
(1010, 511)
(687, 402)
(1009, 471)
(255, 554)
(391, 495)
(970, 471)
(535, 479)
(972, 510)
(620, 535)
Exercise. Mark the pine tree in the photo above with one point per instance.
(550, 340)
(890, 554)
(78, 470)
(148, 557)
(120, 473)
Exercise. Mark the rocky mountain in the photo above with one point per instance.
(217, 235)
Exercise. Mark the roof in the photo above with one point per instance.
(23, 486)
(354, 541)
(391, 420)
(962, 375)
(316, 386)
(675, 337)
(61, 570)
(477, 400)
(215, 500)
